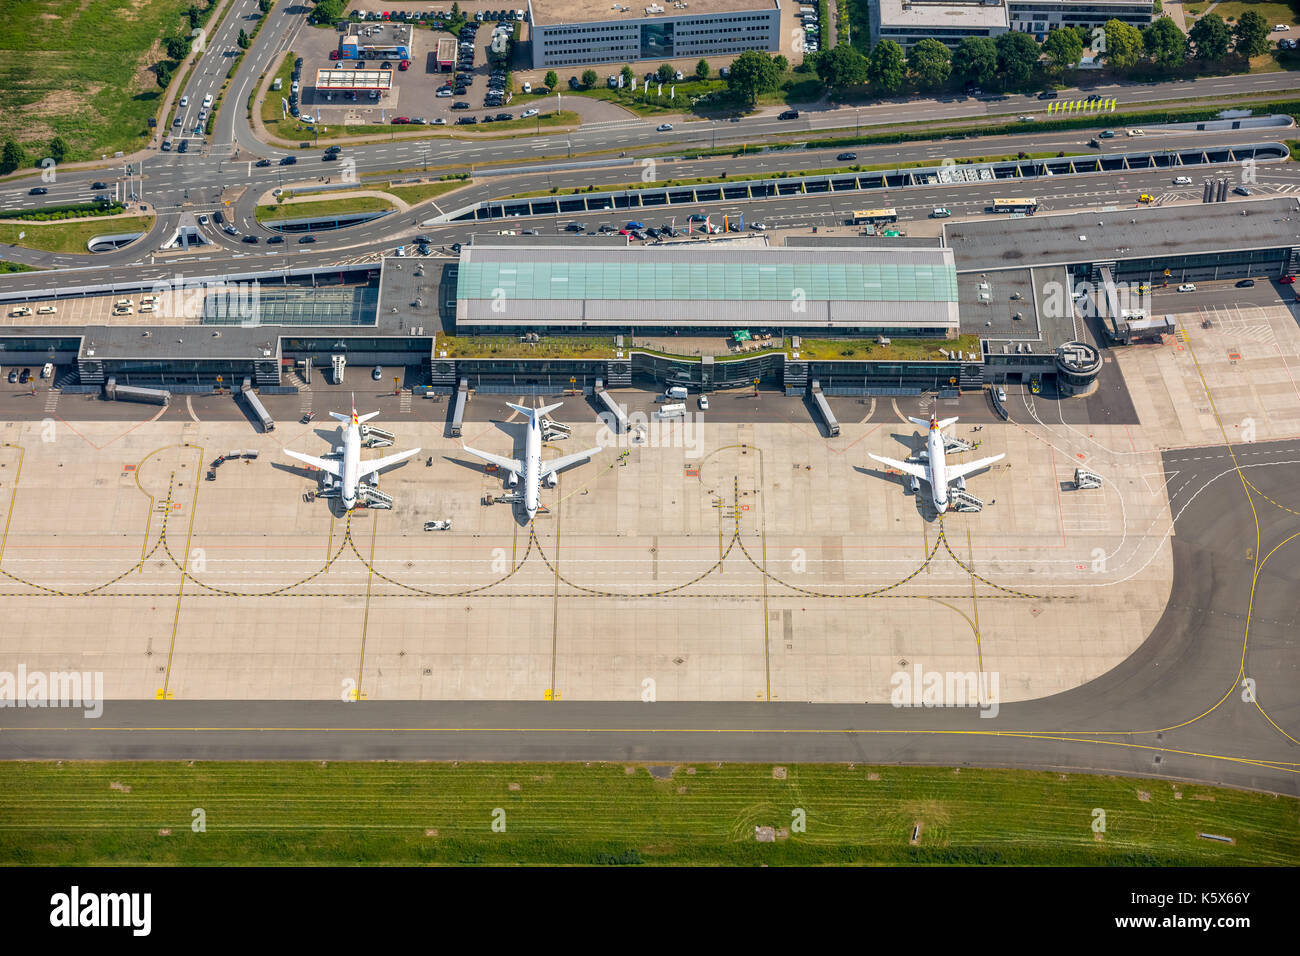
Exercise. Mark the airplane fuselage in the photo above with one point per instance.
(938, 470)
(532, 475)
(351, 465)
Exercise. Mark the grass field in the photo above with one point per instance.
(272, 108)
(69, 237)
(7, 267)
(80, 69)
(505, 346)
(306, 813)
(322, 207)
(293, 131)
(1232, 10)
(898, 350)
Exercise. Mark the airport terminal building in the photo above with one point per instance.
(572, 33)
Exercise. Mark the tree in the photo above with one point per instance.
(702, 69)
(842, 67)
(1165, 44)
(1063, 49)
(177, 47)
(782, 64)
(1017, 56)
(589, 77)
(1123, 45)
(552, 79)
(264, 5)
(163, 74)
(327, 11)
(666, 72)
(752, 73)
(976, 59)
(929, 62)
(243, 40)
(628, 76)
(1210, 36)
(1251, 34)
(59, 149)
(11, 157)
(887, 66)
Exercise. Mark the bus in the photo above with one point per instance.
(862, 216)
(1015, 205)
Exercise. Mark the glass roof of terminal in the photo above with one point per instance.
(852, 282)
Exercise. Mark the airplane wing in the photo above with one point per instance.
(952, 472)
(907, 468)
(334, 468)
(370, 467)
(559, 464)
(510, 464)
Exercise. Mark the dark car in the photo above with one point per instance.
(503, 117)
(488, 119)
(1048, 95)
(297, 64)
(1106, 134)
(99, 185)
(184, 147)
(274, 240)
(573, 83)
(845, 157)
(466, 121)
(250, 239)
(38, 191)
(306, 239)
(576, 227)
(789, 114)
(13, 377)
(288, 160)
(1241, 191)
(460, 105)
(25, 377)
(262, 162)
(1245, 283)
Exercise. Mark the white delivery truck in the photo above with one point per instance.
(677, 391)
(671, 411)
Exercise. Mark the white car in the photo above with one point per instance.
(1002, 394)
(1279, 28)
(704, 403)
(443, 94)
(440, 121)
(528, 113)
(207, 100)
(203, 220)
(1187, 287)
(1136, 132)
(760, 226)
(400, 251)
(527, 87)
(664, 128)
(1182, 180)
(185, 101)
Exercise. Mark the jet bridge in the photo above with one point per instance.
(620, 416)
(458, 411)
(832, 426)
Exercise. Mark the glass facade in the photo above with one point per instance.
(657, 41)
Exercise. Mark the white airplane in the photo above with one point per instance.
(348, 469)
(936, 469)
(531, 469)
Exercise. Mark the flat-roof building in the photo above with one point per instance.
(390, 41)
(950, 21)
(573, 32)
(703, 288)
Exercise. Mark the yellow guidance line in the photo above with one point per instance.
(13, 495)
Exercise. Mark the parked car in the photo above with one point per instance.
(1241, 190)
(527, 113)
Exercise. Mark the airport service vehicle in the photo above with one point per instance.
(936, 469)
(940, 212)
(47, 370)
(676, 410)
(677, 391)
(1182, 180)
(46, 310)
(531, 468)
(438, 525)
(21, 311)
(345, 466)
(1187, 287)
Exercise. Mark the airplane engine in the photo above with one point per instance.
(961, 483)
(512, 479)
(551, 479)
(916, 485)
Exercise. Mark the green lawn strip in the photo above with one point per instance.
(271, 109)
(7, 267)
(425, 191)
(69, 237)
(322, 207)
(503, 346)
(133, 813)
(899, 349)
(55, 213)
(293, 131)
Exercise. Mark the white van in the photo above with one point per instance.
(47, 371)
(527, 87)
(677, 391)
(671, 411)
(1182, 180)
(940, 212)
(46, 310)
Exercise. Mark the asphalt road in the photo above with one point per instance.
(1173, 709)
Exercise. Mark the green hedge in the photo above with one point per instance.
(57, 213)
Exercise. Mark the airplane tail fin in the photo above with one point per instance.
(534, 414)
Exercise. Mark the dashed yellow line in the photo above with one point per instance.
(13, 494)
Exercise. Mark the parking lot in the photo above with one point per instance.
(386, 94)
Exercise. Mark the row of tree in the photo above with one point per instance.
(1016, 58)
